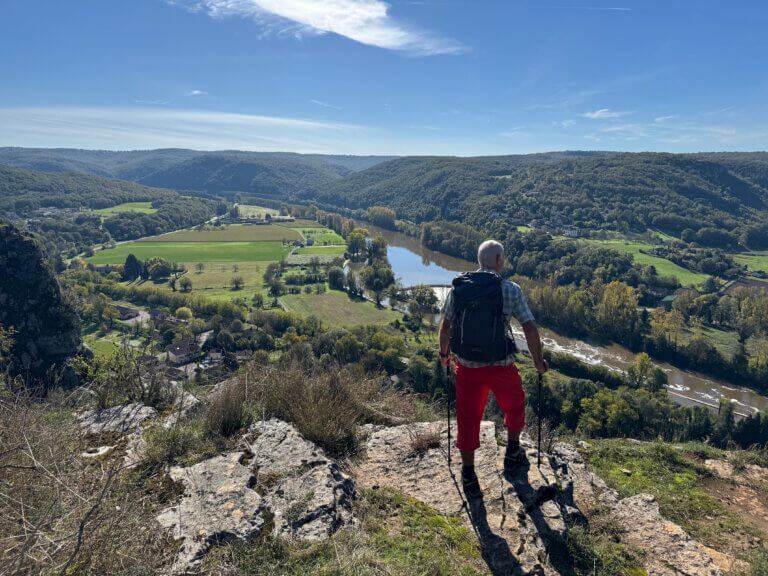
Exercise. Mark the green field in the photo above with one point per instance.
(215, 280)
(252, 211)
(752, 260)
(303, 223)
(663, 267)
(193, 252)
(143, 207)
(322, 236)
(231, 233)
(325, 250)
(335, 308)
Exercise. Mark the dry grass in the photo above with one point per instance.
(227, 413)
(424, 440)
(62, 512)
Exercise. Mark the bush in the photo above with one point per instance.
(226, 412)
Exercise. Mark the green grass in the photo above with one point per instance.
(663, 267)
(752, 260)
(231, 233)
(193, 252)
(727, 342)
(676, 482)
(101, 348)
(523, 228)
(303, 223)
(322, 236)
(335, 308)
(250, 211)
(325, 250)
(397, 536)
(214, 281)
(143, 207)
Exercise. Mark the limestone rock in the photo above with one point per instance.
(307, 493)
(280, 476)
(672, 550)
(218, 505)
(115, 420)
(521, 532)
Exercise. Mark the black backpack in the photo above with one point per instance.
(478, 330)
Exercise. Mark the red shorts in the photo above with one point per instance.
(472, 387)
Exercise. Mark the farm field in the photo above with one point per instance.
(230, 233)
(325, 250)
(303, 223)
(143, 207)
(752, 260)
(193, 252)
(215, 280)
(335, 308)
(321, 236)
(663, 267)
(252, 211)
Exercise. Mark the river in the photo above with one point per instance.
(413, 264)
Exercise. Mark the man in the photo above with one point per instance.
(475, 328)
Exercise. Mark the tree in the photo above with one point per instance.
(423, 301)
(237, 282)
(314, 264)
(618, 311)
(183, 313)
(235, 268)
(185, 284)
(199, 267)
(643, 374)
(132, 268)
(336, 278)
(382, 216)
(377, 249)
(172, 282)
(355, 244)
(258, 300)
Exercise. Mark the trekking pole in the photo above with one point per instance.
(448, 394)
(538, 414)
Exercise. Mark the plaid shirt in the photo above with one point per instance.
(515, 306)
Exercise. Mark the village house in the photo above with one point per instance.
(182, 352)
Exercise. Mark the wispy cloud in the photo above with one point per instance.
(605, 8)
(197, 93)
(141, 128)
(663, 119)
(364, 21)
(324, 104)
(513, 132)
(604, 114)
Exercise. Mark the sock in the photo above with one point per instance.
(513, 446)
(468, 470)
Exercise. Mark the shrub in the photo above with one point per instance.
(226, 412)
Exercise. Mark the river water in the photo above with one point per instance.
(413, 264)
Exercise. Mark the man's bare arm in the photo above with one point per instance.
(445, 340)
(534, 346)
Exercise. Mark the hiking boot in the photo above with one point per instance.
(470, 483)
(514, 458)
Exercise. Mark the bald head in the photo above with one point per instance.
(490, 254)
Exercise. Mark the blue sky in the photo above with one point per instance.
(373, 77)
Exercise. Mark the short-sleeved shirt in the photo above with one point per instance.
(515, 306)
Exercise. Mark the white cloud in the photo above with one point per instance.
(145, 127)
(324, 104)
(364, 21)
(662, 119)
(197, 93)
(513, 132)
(604, 114)
(564, 123)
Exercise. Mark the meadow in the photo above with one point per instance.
(253, 211)
(193, 252)
(143, 207)
(752, 260)
(663, 267)
(335, 308)
(321, 236)
(231, 233)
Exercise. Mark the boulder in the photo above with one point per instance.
(116, 420)
(219, 505)
(280, 481)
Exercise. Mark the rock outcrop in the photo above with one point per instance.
(521, 530)
(279, 482)
(115, 420)
(671, 551)
(46, 329)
